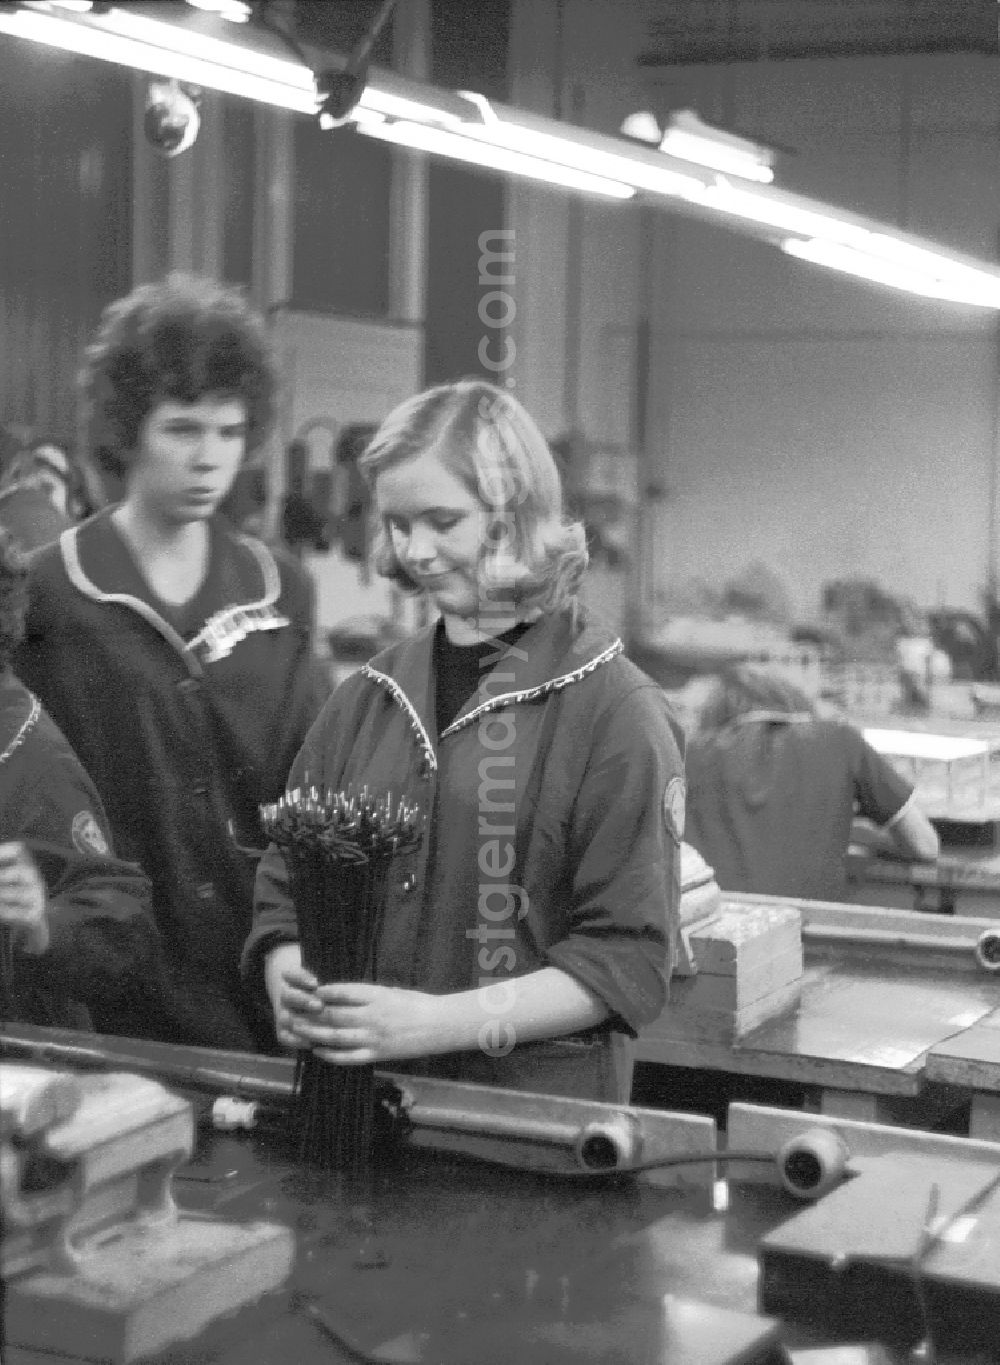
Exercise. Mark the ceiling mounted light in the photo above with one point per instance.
(688, 138)
(77, 6)
(423, 138)
(236, 11)
(512, 141)
(643, 127)
(977, 289)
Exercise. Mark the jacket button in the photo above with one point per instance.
(188, 685)
(408, 883)
(205, 891)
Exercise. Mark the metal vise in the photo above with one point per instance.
(79, 1155)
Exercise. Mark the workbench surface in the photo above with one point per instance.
(448, 1261)
(868, 1017)
(486, 1265)
(962, 881)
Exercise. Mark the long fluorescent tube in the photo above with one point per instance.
(844, 245)
(162, 49)
(502, 132)
(705, 151)
(422, 137)
(514, 142)
(896, 275)
(298, 78)
(236, 11)
(96, 42)
(690, 139)
(770, 211)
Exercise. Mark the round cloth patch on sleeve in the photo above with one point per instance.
(87, 834)
(673, 808)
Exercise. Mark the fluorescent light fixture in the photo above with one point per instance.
(643, 125)
(89, 40)
(468, 127)
(922, 258)
(689, 139)
(236, 11)
(163, 49)
(771, 211)
(424, 138)
(705, 152)
(398, 106)
(896, 275)
(566, 151)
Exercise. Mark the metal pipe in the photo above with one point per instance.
(237, 1073)
(985, 949)
(597, 1145)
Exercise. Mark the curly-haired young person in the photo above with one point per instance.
(176, 654)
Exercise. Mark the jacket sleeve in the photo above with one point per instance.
(880, 791)
(624, 852)
(103, 941)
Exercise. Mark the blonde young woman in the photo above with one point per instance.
(530, 936)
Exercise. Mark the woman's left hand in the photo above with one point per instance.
(359, 1024)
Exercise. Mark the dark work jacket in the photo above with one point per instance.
(559, 765)
(183, 737)
(102, 946)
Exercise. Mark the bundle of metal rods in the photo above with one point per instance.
(338, 847)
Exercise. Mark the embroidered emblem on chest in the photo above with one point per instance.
(87, 836)
(222, 632)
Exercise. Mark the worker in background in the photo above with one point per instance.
(773, 789)
(174, 653)
(532, 935)
(78, 942)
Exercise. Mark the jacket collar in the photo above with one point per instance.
(558, 650)
(98, 564)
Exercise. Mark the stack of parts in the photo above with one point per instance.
(954, 775)
(748, 961)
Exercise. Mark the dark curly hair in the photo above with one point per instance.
(175, 341)
(13, 596)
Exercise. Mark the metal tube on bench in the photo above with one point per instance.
(985, 949)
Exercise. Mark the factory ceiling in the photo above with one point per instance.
(694, 31)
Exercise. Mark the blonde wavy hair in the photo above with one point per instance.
(751, 692)
(487, 440)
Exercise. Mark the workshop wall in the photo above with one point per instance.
(784, 415)
(824, 426)
(65, 226)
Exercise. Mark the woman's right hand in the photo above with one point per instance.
(291, 990)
